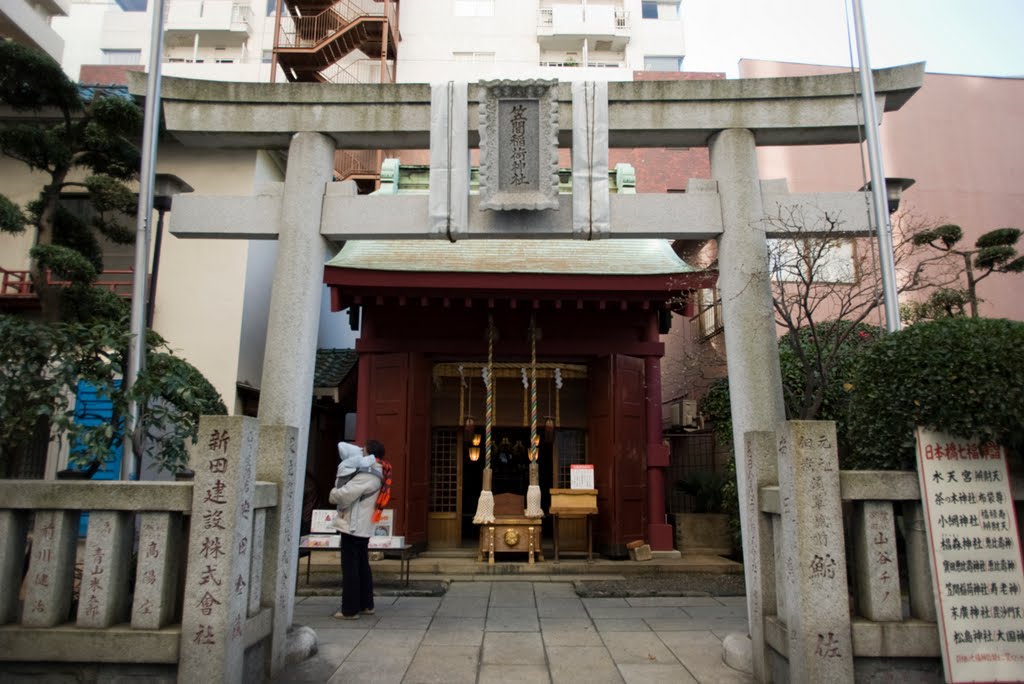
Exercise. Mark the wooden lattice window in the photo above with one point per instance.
(444, 470)
(571, 447)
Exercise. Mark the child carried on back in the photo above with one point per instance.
(359, 479)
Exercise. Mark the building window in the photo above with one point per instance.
(132, 5)
(122, 56)
(271, 7)
(474, 8)
(446, 449)
(268, 56)
(663, 63)
(827, 260)
(665, 10)
(659, 9)
(571, 447)
(709, 312)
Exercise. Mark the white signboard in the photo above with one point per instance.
(975, 557)
(386, 542)
(320, 541)
(386, 525)
(321, 521)
(581, 476)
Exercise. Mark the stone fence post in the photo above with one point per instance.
(216, 583)
(820, 642)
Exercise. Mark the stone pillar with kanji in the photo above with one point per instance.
(219, 553)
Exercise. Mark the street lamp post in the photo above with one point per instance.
(165, 186)
(137, 323)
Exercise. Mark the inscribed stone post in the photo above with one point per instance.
(814, 570)
(278, 452)
(259, 529)
(758, 547)
(13, 527)
(51, 570)
(213, 619)
(518, 145)
(103, 592)
(156, 574)
(878, 576)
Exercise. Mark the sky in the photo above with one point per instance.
(977, 37)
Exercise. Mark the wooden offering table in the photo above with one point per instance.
(574, 504)
(511, 531)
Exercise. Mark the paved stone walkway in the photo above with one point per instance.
(515, 631)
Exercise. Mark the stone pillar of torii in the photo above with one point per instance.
(307, 211)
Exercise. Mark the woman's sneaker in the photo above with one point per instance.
(368, 611)
(341, 616)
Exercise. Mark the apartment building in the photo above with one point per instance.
(30, 22)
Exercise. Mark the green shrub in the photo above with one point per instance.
(964, 376)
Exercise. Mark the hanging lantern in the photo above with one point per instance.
(470, 427)
(474, 449)
(549, 429)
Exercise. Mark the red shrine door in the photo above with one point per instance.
(617, 448)
(399, 406)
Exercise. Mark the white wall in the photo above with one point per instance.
(200, 293)
(431, 33)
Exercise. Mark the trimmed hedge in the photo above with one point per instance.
(964, 376)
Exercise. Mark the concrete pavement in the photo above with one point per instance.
(519, 631)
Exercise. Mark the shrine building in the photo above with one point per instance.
(592, 311)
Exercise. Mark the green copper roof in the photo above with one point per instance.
(574, 257)
(332, 366)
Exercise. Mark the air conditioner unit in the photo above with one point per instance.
(688, 413)
(684, 413)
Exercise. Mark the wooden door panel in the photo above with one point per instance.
(387, 398)
(630, 439)
(418, 461)
(601, 449)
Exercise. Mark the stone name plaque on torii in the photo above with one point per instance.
(519, 145)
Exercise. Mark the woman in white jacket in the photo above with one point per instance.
(355, 494)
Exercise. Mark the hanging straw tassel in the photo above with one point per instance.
(533, 509)
(485, 505)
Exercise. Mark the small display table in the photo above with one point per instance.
(574, 504)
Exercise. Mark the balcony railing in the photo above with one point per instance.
(574, 19)
(15, 284)
(572, 64)
(209, 15)
(19, 283)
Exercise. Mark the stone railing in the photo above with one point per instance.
(821, 611)
(115, 596)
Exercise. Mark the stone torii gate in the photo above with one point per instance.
(732, 118)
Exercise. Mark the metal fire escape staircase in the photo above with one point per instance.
(345, 41)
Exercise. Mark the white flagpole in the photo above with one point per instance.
(880, 203)
(150, 127)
